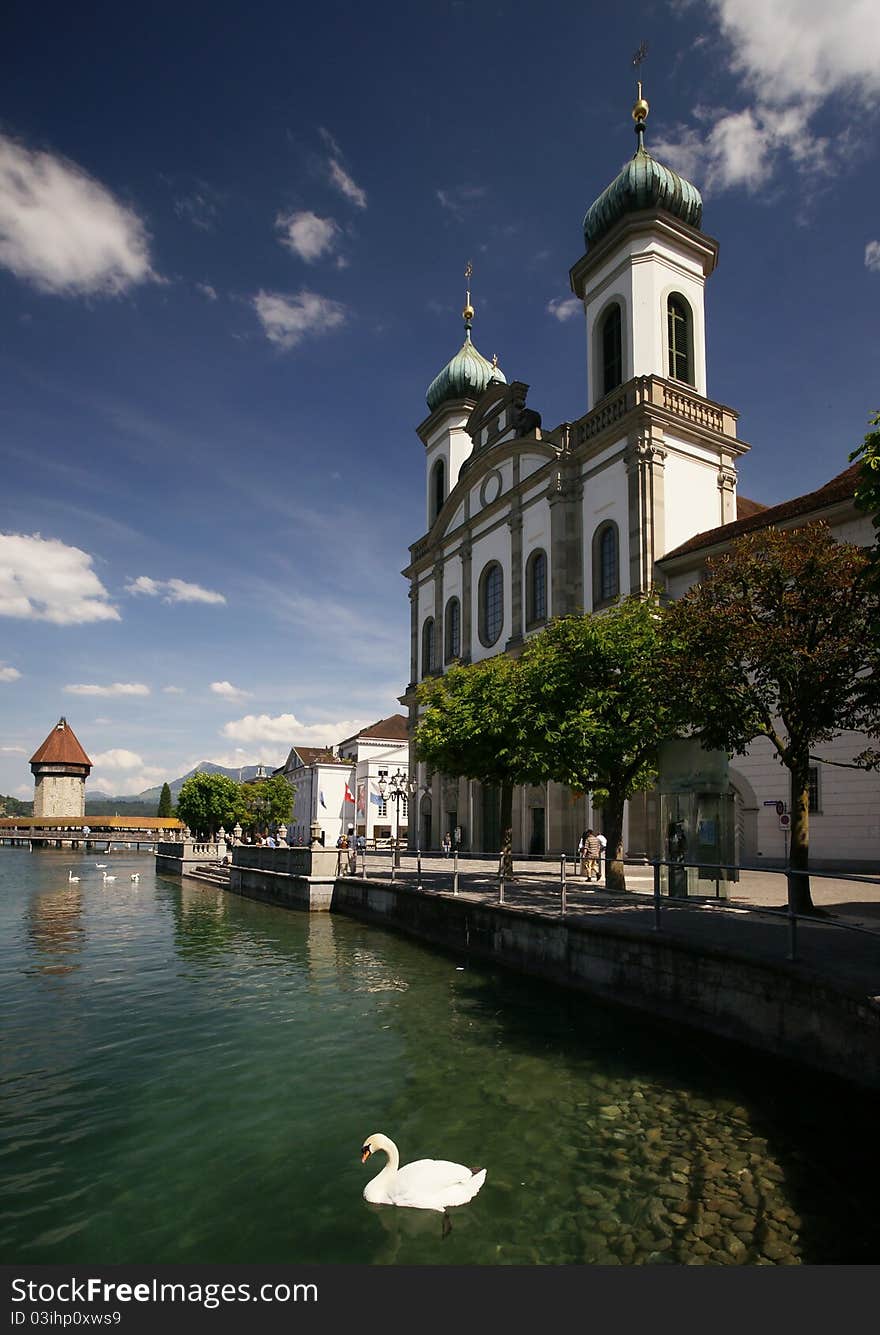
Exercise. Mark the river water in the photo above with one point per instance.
(187, 1076)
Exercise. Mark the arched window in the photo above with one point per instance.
(606, 564)
(536, 588)
(452, 636)
(612, 349)
(438, 488)
(491, 603)
(679, 339)
(428, 647)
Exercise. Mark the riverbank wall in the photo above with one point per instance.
(780, 1007)
(783, 1009)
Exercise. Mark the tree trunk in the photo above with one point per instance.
(799, 851)
(506, 856)
(615, 878)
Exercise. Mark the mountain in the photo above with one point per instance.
(244, 774)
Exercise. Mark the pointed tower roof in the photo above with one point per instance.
(61, 747)
(644, 183)
(468, 373)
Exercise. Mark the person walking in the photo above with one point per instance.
(590, 848)
(603, 844)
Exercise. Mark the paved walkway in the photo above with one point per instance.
(843, 945)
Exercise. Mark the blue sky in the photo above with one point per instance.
(231, 249)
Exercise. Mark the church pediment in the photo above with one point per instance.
(501, 414)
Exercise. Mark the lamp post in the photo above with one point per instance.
(413, 787)
(395, 788)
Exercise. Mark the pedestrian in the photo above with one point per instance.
(590, 849)
(447, 845)
(580, 855)
(603, 844)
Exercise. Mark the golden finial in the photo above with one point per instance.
(468, 312)
(641, 108)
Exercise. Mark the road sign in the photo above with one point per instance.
(784, 820)
(780, 808)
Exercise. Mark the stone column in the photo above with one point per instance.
(565, 499)
(414, 631)
(645, 469)
(466, 600)
(437, 665)
(515, 524)
(727, 492)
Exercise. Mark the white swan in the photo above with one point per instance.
(426, 1184)
(107, 878)
(134, 876)
(100, 864)
(70, 876)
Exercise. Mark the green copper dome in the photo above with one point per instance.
(464, 377)
(644, 183)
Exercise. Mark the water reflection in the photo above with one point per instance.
(55, 929)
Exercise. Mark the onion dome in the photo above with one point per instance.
(644, 183)
(468, 373)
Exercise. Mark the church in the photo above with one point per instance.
(525, 522)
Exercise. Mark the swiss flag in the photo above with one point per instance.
(349, 796)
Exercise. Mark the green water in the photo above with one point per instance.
(186, 1076)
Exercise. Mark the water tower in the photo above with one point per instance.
(60, 768)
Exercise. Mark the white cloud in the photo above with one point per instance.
(307, 235)
(288, 320)
(117, 759)
(564, 308)
(872, 256)
(173, 590)
(9, 673)
(460, 198)
(207, 291)
(24, 790)
(62, 230)
(125, 785)
(228, 691)
(345, 185)
(13, 750)
(173, 690)
(791, 57)
(116, 688)
(42, 579)
(287, 728)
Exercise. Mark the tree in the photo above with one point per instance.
(269, 802)
(867, 495)
(598, 708)
(164, 801)
(207, 801)
(470, 728)
(782, 641)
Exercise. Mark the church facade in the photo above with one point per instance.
(524, 522)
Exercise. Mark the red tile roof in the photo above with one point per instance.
(61, 747)
(746, 508)
(392, 729)
(840, 488)
(314, 755)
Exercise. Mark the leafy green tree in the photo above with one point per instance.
(165, 808)
(207, 801)
(782, 640)
(597, 709)
(470, 728)
(269, 802)
(867, 496)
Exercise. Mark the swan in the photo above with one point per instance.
(134, 876)
(100, 864)
(70, 876)
(108, 878)
(426, 1184)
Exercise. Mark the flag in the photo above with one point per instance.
(349, 795)
(321, 798)
(374, 797)
(362, 801)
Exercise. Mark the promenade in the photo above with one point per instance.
(744, 924)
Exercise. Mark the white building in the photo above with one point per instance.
(524, 523)
(340, 787)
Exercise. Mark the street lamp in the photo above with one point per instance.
(395, 788)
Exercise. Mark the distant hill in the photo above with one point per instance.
(246, 773)
(13, 806)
